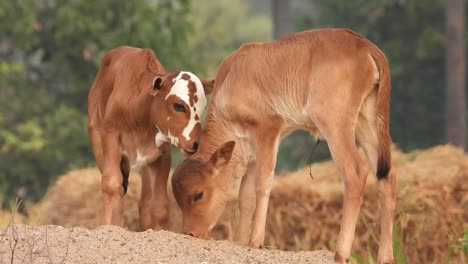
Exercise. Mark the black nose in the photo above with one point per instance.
(195, 145)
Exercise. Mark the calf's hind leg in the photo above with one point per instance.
(354, 172)
(366, 132)
(387, 195)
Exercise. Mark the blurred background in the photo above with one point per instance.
(50, 52)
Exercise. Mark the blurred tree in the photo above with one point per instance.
(61, 42)
(49, 55)
(281, 10)
(411, 34)
(216, 36)
(455, 123)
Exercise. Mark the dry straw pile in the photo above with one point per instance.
(304, 213)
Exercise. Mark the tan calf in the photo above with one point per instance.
(334, 84)
(135, 109)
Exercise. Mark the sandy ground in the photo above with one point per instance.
(110, 244)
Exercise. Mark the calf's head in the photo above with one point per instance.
(178, 104)
(200, 190)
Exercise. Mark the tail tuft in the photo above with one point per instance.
(382, 168)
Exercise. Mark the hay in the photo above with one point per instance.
(432, 207)
(75, 200)
(304, 214)
(6, 218)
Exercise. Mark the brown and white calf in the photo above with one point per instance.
(334, 84)
(135, 109)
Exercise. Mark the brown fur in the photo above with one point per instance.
(334, 84)
(127, 108)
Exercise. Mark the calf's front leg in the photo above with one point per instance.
(266, 150)
(159, 201)
(153, 206)
(112, 191)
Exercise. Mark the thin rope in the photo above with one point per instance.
(311, 156)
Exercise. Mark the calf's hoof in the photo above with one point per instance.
(391, 261)
(254, 244)
(340, 260)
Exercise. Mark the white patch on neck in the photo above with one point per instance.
(160, 138)
(140, 161)
(181, 90)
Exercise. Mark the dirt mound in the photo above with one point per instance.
(305, 213)
(110, 244)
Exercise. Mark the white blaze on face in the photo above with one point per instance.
(181, 90)
(174, 140)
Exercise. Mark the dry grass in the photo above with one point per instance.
(304, 214)
(5, 217)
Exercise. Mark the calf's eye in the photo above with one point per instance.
(198, 196)
(179, 108)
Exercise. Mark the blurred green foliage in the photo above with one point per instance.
(49, 57)
(50, 51)
(220, 28)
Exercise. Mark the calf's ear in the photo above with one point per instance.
(208, 85)
(223, 154)
(158, 83)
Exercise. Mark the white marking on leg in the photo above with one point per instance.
(140, 161)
